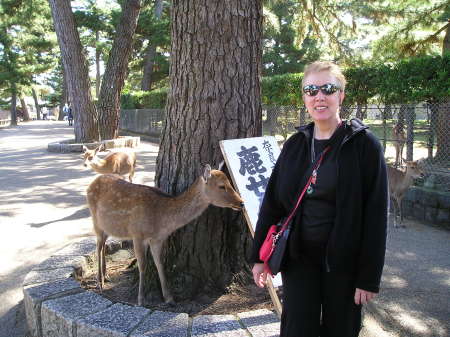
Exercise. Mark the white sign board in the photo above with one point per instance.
(250, 162)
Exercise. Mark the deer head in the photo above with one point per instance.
(219, 191)
(414, 169)
(89, 155)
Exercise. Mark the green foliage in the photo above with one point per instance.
(282, 52)
(415, 79)
(155, 99)
(26, 44)
(409, 28)
(282, 89)
(361, 84)
(412, 80)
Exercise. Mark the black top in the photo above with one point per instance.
(316, 218)
(356, 242)
(319, 207)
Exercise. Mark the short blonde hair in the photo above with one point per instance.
(326, 66)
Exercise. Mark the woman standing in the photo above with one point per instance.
(337, 244)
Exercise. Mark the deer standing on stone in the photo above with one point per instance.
(399, 182)
(399, 139)
(147, 215)
(121, 163)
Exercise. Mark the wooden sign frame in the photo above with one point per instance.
(250, 162)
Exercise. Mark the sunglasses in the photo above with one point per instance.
(326, 89)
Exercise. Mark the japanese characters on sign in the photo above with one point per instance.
(250, 161)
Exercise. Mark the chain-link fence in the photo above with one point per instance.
(407, 132)
(145, 121)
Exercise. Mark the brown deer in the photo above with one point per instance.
(399, 139)
(148, 216)
(121, 163)
(399, 182)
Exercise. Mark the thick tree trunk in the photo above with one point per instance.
(150, 54)
(25, 113)
(76, 71)
(62, 102)
(97, 64)
(13, 105)
(36, 103)
(116, 71)
(146, 83)
(215, 95)
(64, 96)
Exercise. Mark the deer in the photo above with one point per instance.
(399, 182)
(147, 215)
(399, 138)
(121, 163)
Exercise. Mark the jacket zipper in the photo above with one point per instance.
(327, 265)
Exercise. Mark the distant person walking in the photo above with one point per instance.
(44, 113)
(67, 109)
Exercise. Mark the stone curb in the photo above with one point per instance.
(56, 306)
(67, 145)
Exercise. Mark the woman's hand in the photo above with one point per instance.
(259, 275)
(361, 296)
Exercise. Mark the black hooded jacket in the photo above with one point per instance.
(357, 241)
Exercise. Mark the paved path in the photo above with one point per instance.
(42, 208)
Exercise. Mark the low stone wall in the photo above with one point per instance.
(56, 306)
(5, 122)
(427, 205)
(70, 146)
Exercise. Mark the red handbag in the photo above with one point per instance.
(276, 238)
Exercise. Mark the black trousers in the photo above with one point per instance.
(316, 302)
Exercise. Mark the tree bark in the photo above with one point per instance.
(25, 113)
(13, 104)
(214, 95)
(146, 83)
(116, 71)
(64, 96)
(76, 71)
(36, 103)
(97, 64)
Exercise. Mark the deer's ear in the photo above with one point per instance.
(221, 165)
(207, 172)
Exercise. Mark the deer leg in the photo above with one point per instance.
(401, 153)
(139, 251)
(400, 212)
(156, 247)
(101, 239)
(396, 155)
(131, 175)
(105, 274)
(394, 210)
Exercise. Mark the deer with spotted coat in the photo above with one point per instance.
(147, 215)
(121, 163)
